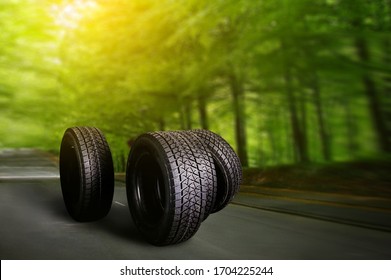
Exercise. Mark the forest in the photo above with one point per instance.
(283, 81)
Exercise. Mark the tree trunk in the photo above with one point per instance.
(237, 92)
(352, 130)
(203, 112)
(387, 88)
(122, 167)
(323, 134)
(162, 124)
(273, 144)
(287, 142)
(300, 147)
(182, 122)
(373, 98)
(187, 114)
(303, 124)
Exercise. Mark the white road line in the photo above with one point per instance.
(10, 177)
(119, 203)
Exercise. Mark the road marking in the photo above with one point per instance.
(119, 203)
(10, 177)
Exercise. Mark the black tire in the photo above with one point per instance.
(211, 190)
(167, 184)
(228, 167)
(86, 173)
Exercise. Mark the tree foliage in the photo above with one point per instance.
(283, 81)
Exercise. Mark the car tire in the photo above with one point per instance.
(211, 189)
(168, 181)
(228, 167)
(86, 173)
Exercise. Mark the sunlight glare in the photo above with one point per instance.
(70, 13)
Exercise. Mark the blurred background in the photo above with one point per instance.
(304, 83)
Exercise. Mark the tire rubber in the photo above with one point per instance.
(168, 185)
(86, 173)
(228, 167)
(211, 188)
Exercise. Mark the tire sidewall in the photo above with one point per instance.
(147, 147)
(228, 176)
(71, 169)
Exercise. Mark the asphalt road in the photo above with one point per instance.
(35, 225)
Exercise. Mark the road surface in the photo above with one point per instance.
(35, 225)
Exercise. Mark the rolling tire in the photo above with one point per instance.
(167, 183)
(211, 189)
(86, 173)
(228, 167)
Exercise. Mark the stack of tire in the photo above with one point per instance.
(174, 179)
